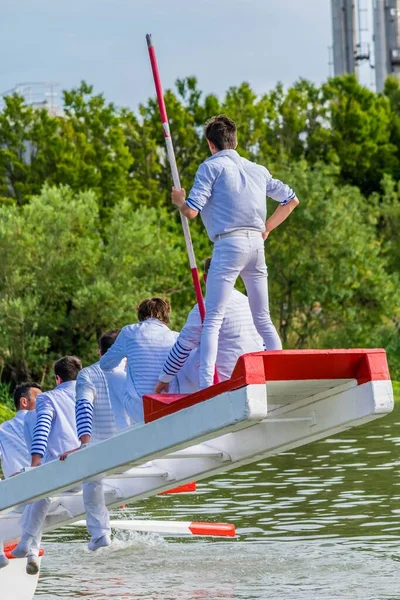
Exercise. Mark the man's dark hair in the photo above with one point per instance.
(154, 308)
(207, 265)
(107, 340)
(67, 368)
(22, 391)
(221, 131)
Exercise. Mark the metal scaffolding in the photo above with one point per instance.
(386, 40)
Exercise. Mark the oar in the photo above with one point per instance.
(171, 527)
(176, 180)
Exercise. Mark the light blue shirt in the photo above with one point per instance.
(104, 392)
(14, 453)
(146, 346)
(230, 192)
(55, 430)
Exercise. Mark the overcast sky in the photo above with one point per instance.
(222, 42)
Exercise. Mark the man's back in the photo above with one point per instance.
(238, 196)
(56, 416)
(14, 453)
(146, 345)
(105, 390)
(230, 191)
(238, 336)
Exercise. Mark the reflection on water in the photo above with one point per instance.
(319, 522)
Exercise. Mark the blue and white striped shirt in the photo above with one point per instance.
(146, 346)
(55, 430)
(230, 192)
(100, 408)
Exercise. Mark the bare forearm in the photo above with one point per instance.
(187, 212)
(281, 214)
(178, 197)
(36, 460)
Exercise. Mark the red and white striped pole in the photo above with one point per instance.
(175, 174)
(176, 180)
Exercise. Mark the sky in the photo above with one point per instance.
(221, 42)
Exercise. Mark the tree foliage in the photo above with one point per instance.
(86, 227)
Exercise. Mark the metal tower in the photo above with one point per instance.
(349, 24)
(344, 36)
(386, 40)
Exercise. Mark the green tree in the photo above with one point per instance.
(329, 283)
(360, 125)
(62, 283)
(94, 151)
(29, 141)
(85, 148)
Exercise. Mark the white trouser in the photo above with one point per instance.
(186, 381)
(32, 522)
(97, 515)
(241, 254)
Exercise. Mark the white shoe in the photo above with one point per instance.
(32, 565)
(3, 561)
(23, 547)
(101, 542)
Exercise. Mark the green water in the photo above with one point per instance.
(322, 522)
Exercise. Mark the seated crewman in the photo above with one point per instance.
(100, 414)
(54, 434)
(146, 346)
(237, 336)
(14, 454)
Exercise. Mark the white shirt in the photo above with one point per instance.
(55, 430)
(230, 192)
(104, 390)
(237, 336)
(29, 428)
(146, 346)
(14, 453)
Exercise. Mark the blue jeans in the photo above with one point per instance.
(241, 254)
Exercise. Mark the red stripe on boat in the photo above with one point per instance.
(222, 529)
(282, 365)
(10, 547)
(187, 487)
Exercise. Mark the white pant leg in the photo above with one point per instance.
(34, 517)
(35, 547)
(229, 257)
(97, 515)
(187, 378)
(255, 278)
(133, 405)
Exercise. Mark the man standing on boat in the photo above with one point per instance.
(14, 453)
(230, 193)
(238, 336)
(54, 433)
(146, 346)
(100, 414)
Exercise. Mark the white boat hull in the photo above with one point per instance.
(275, 401)
(15, 583)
